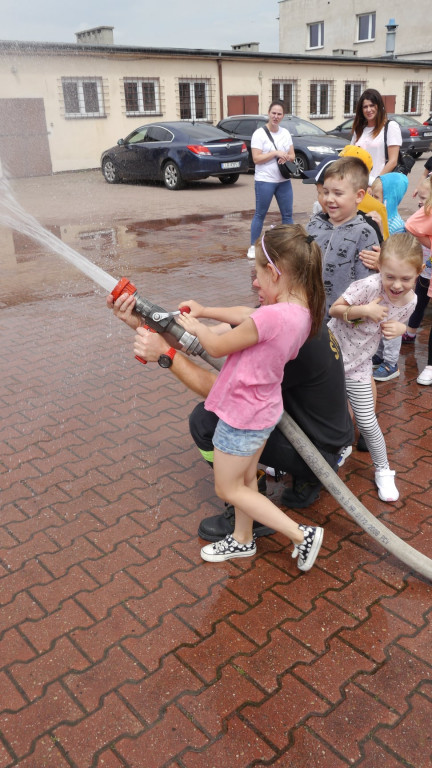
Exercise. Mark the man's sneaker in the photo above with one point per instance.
(425, 377)
(376, 361)
(301, 495)
(384, 479)
(408, 339)
(227, 549)
(251, 252)
(385, 372)
(308, 550)
(347, 451)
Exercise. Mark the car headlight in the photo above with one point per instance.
(323, 150)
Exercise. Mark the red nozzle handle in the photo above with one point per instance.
(137, 357)
(123, 286)
(183, 310)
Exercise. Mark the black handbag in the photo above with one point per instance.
(405, 161)
(288, 169)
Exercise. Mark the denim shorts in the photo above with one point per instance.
(239, 442)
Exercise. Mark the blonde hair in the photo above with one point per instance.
(297, 256)
(427, 182)
(351, 168)
(405, 247)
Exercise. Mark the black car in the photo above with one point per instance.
(175, 153)
(311, 144)
(416, 138)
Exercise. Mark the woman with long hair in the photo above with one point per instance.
(370, 127)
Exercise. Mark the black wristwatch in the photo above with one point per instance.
(166, 360)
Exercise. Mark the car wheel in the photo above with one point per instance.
(416, 155)
(230, 179)
(110, 172)
(301, 163)
(171, 175)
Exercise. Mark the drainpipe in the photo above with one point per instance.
(221, 97)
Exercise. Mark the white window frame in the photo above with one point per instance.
(320, 26)
(354, 85)
(412, 93)
(80, 83)
(320, 85)
(371, 16)
(191, 82)
(139, 81)
(280, 86)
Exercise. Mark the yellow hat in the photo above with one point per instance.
(350, 150)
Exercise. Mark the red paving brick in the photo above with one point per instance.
(116, 640)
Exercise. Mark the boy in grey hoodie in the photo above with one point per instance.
(341, 232)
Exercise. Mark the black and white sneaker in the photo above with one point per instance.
(347, 451)
(308, 550)
(226, 549)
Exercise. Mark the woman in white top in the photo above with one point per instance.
(368, 133)
(269, 182)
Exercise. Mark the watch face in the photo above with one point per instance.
(165, 361)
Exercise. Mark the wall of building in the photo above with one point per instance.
(340, 26)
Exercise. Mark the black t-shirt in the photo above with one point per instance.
(428, 164)
(314, 394)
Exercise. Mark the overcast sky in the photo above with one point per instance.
(215, 24)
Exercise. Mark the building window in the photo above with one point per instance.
(353, 91)
(142, 96)
(194, 100)
(285, 90)
(83, 96)
(366, 27)
(320, 95)
(316, 35)
(412, 98)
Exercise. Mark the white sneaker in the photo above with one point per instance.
(347, 451)
(251, 252)
(387, 490)
(425, 376)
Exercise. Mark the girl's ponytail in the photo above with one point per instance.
(314, 285)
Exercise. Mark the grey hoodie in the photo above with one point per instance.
(340, 247)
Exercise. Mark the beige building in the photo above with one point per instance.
(356, 27)
(61, 105)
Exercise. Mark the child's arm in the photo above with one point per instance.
(231, 315)
(350, 312)
(392, 328)
(371, 258)
(244, 335)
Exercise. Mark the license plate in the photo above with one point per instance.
(224, 166)
(427, 133)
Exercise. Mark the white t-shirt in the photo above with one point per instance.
(375, 146)
(269, 171)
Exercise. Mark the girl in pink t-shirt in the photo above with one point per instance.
(247, 394)
(376, 306)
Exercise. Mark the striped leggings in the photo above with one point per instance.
(361, 399)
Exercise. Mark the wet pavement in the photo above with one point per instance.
(119, 647)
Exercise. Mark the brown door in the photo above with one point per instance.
(24, 147)
(242, 105)
(389, 103)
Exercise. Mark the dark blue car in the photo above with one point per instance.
(175, 153)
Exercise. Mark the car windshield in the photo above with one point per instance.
(298, 127)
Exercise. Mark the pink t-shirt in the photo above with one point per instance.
(359, 342)
(247, 392)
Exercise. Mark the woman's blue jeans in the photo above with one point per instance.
(264, 191)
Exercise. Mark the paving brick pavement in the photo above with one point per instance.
(119, 647)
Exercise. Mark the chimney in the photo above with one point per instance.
(391, 37)
(96, 36)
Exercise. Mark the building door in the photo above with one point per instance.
(389, 103)
(24, 147)
(242, 105)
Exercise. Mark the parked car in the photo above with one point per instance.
(428, 121)
(416, 138)
(311, 144)
(175, 153)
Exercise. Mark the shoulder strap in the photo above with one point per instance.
(269, 135)
(385, 141)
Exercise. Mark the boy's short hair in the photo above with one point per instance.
(351, 168)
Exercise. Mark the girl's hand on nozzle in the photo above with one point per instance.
(189, 323)
(123, 308)
(196, 309)
(375, 311)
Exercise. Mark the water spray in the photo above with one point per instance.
(161, 321)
